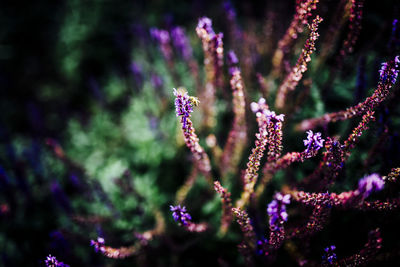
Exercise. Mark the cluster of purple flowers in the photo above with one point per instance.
(369, 184)
(181, 215)
(232, 61)
(181, 42)
(314, 142)
(232, 58)
(206, 24)
(262, 107)
(98, 245)
(183, 106)
(162, 36)
(51, 261)
(329, 255)
(277, 210)
(388, 72)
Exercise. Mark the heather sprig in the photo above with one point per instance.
(237, 137)
(184, 106)
(350, 199)
(296, 74)
(277, 217)
(313, 143)
(182, 43)
(356, 12)
(277, 210)
(180, 214)
(274, 128)
(213, 61)
(242, 218)
(303, 12)
(183, 218)
(337, 21)
(115, 253)
(264, 118)
(227, 215)
(388, 75)
(235, 33)
(321, 204)
(164, 40)
(336, 154)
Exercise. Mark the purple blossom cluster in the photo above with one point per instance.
(277, 210)
(388, 72)
(232, 61)
(329, 256)
(162, 36)
(98, 245)
(369, 184)
(206, 24)
(313, 143)
(232, 58)
(181, 215)
(262, 108)
(181, 42)
(52, 261)
(183, 106)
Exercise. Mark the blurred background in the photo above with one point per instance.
(90, 144)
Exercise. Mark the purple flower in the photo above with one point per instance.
(329, 256)
(232, 58)
(156, 81)
(206, 24)
(137, 73)
(180, 214)
(388, 72)
(230, 11)
(277, 210)
(370, 183)
(162, 36)
(98, 245)
(232, 62)
(181, 42)
(314, 142)
(51, 261)
(183, 106)
(262, 108)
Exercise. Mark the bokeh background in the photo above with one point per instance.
(87, 77)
